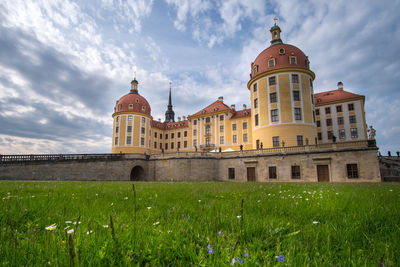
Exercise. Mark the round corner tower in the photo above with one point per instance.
(281, 92)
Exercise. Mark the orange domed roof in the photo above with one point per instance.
(133, 102)
(281, 53)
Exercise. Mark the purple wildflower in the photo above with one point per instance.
(240, 260)
(246, 255)
(220, 233)
(233, 261)
(281, 258)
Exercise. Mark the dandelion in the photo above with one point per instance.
(315, 222)
(148, 208)
(70, 232)
(89, 232)
(51, 227)
(156, 223)
(233, 261)
(281, 258)
(239, 260)
(105, 226)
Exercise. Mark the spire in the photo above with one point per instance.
(169, 114)
(134, 85)
(276, 33)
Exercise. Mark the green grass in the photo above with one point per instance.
(358, 224)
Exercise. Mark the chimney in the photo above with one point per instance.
(221, 98)
(340, 86)
(179, 118)
(233, 107)
(184, 118)
(244, 106)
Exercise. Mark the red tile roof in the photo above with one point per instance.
(214, 107)
(240, 113)
(169, 125)
(334, 95)
(137, 101)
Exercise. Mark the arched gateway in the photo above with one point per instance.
(137, 174)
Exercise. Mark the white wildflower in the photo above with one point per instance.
(315, 222)
(148, 208)
(89, 232)
(67, 222)
(105, 226)
(70, 231)
(238, 216)
(51, 227)
(126, 198)
(156, 223)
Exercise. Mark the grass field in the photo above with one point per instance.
(210, 224)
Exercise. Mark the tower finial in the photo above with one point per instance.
(135, 75)
(170, 114)
(275, 19)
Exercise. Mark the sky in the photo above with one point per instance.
(64, 63)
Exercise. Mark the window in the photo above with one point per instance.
(160, 136)
(353, 132)
(116, 141)
(281, 50)
(194, 132)
(143, 119)
(221, 128)
(172, 135)
(327, 110)
(195, 122)
(293, 60)
(275, 141)
(245, 138)
(272, 80)
(172, 145)
(143, 130)
(166, 146)
(342, 134)
(352, 119)
(143, 108)
(185, 144)
(317, 111)
(255, 69)
(221, 118)
(272, 172)
(299, 140)
(244, 125)
(255, 87)
(155, 134)
(119, 107)
(338, 109)
(296, 95)
(295, 172)
(208, 129)
(340, 121)
(330, 135)
(194, 142)
(234, 127)
(160, 145)
(318, 123)
(221, 140)
(274, 115)
(297, 113)
(185, 134)
(256, 120)
(271, 62)
(207, 141)
(351, 106)
(166, 136)
(295, 78)
(142, 141)
(117, 119)
(128, 140)
(117, 129)
(256, 103)
(155, 145)
(130, 106)
(179, 134)
(319, 136)
(231, 173)
(129, 128)
(208, 120)
(272, 98)
(328, 122)
(234, 139)
(130, 118)
(352, 171)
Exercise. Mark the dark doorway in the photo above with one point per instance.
(137, 174)
(323, 173)
(251, 174)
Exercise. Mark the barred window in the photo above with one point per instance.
(297, 113)
(295, 78)
(231, 173)
(272, 98)
(295, 172)
(272, 80)
(128, 140)
(352, 171)
(272, 172)
(275, 141)
(274, 115)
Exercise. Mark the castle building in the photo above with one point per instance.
(284, 112)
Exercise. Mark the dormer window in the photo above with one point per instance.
(255, 70)
(271, 62)
(130, 106)
(143, 108)
(293, 60)
(119, 107)
(281, 51)
(203, 112)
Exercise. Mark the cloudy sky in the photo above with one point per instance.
(64, 63)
